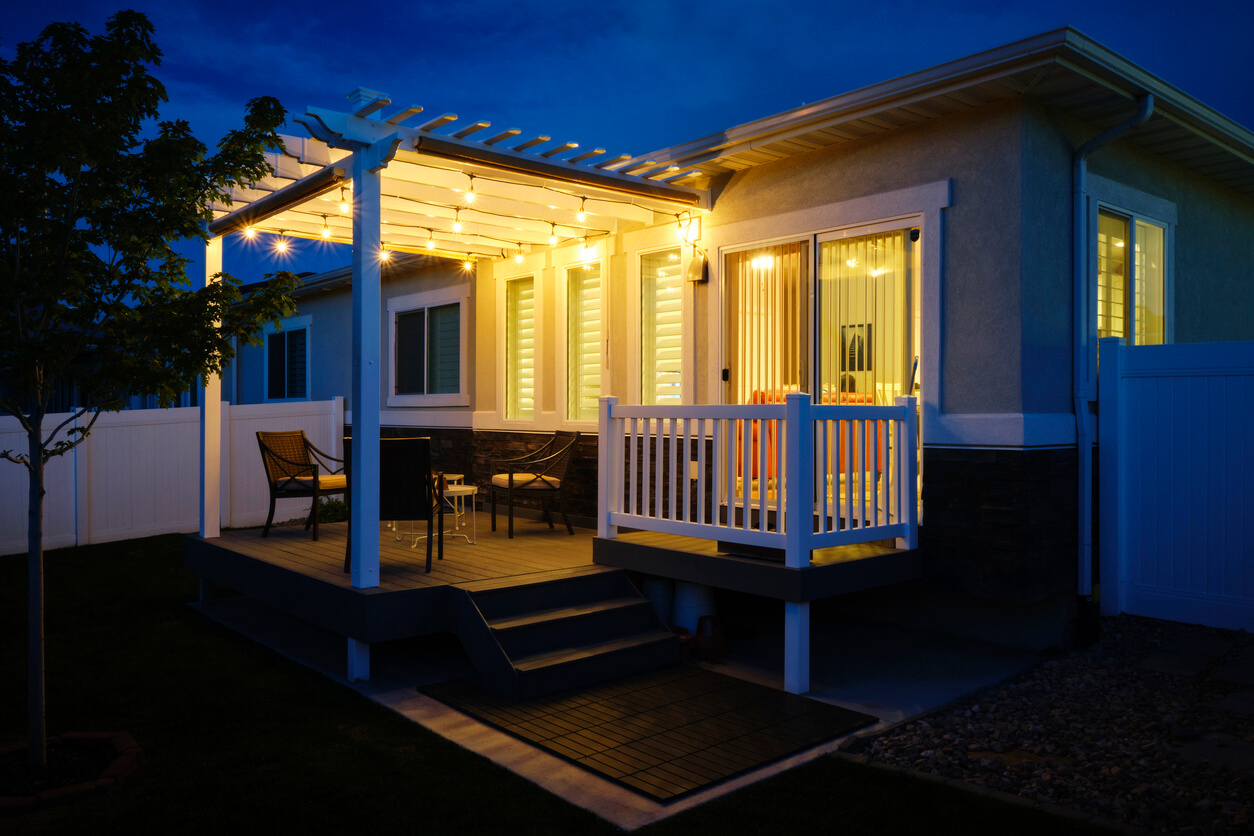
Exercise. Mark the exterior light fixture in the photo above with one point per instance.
(469, 263)
(430, 240)
(518, 259)
(280, 246)
(552, 235)
(384, 253)
(345, 206)
(457, 220)
(470, 193)
(326, 230)
(250, 233)
(582, 214)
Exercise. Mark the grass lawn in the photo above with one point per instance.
(239, 739)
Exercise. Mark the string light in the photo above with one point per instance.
(384, 253)
(468, 263)
(552, 235)
(430, 240)
(470, 193)
(582, 214)
(280, 246)
(344, 204)
(457, 221)
(250, 233)
(326, 230)
(518, 259)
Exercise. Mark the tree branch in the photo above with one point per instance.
(16, 412)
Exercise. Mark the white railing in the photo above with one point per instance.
(137, 474)
(740, 474)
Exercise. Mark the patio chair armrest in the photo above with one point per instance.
(324, 458)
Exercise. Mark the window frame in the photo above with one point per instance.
(286, 326)
(1132, 205)
(457, 295)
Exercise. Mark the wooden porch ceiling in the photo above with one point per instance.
(452, 194)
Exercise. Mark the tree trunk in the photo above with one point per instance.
(35, 547)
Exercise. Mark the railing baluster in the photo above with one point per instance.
(683, 477)
(631, 468)
(846, 443)
(701, 501)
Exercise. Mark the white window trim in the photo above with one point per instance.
(458, 294)
(919, 206)
(1135, 205)
(561, 300)
(293, 323)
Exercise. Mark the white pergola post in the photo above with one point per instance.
(211, 423)
(367, 203)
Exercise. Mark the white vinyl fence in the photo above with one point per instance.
(1176, 457)
(138, 473)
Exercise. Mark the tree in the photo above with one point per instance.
(94, 195)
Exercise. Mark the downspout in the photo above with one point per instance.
(1084, 351)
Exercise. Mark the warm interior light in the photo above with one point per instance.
(851, 262)
(1118, 243)
(672, 257)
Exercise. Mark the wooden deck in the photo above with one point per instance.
(294, 574)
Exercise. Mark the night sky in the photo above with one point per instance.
(630, 77)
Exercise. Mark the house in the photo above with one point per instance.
(963, 236)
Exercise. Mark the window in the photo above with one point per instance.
(1131, 278)
(768, 321)
(583, 353)
(520, 348)
(287, 361)
(661, 327)
(428, 350)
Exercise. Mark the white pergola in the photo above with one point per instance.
(383, 187)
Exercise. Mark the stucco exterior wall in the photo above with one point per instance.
(979, 151)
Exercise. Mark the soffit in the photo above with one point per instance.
(1062, 70)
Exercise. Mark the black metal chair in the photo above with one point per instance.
(540, 475)
(408, 489)
(296, 469)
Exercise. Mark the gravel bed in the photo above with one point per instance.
(1150, 727)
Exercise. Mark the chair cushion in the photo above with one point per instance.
(329, 482)
(527, 481)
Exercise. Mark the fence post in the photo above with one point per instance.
(224, 502)
(799, 466)
(609, 466)
(1109, 489)
(907, 474)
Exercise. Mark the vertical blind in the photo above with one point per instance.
(767, 322)
(520, 348)
(864, 318)
(661, 327)
(583, 354)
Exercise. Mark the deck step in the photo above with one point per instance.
(564, 631)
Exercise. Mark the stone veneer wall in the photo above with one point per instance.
(1000, 524)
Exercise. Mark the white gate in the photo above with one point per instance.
(1177, 493)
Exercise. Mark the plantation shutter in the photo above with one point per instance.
(410, 347)
(584, 346)
(661, 321)
(520, 346)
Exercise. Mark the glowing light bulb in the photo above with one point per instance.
(326, 230)
(384, 254)
(249, 232)
(431, 243)
(851, 262)
(552, 235)
(582, 214)
(345, 207)
(468, 264)
(672, 257)
(519, 257)
(457, 221)
(470, 192)
(281, 245)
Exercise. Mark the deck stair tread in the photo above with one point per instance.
(569, 655)
(566, 613)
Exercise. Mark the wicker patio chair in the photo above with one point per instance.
(296, 469)
(540, 475)
(408, 489)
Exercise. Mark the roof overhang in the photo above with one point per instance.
(449, 194)
(1063, 69)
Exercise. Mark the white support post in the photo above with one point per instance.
(796, 647)
(1109, 489)
(366, 372)
(798, 488)
(609, 469)
(211, 424)
(908, 474)
(358, 655)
